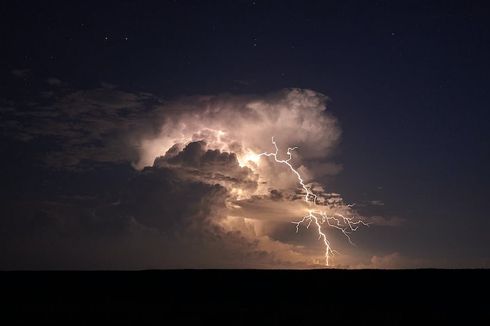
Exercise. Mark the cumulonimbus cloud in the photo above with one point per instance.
(219, 140)
(200, 186)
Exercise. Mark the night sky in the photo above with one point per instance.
(83, 83)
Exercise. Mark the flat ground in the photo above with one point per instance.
(248, 296)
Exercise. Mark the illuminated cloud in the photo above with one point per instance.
(244, 124)
(224, 140)
(200, 195)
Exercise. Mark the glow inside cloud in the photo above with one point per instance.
(217, 139)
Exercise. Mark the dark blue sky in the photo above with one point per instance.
(408, 83)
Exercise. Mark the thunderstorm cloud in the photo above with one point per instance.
(197, 193)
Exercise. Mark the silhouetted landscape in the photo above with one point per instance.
(242, 296)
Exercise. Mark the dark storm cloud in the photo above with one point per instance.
(190, 211)
(160, 218)
(83, 124)
(158, 197)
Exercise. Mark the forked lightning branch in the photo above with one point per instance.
(315, 214)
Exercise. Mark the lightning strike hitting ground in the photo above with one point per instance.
(346, 224)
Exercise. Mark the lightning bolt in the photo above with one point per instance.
(341, 222)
